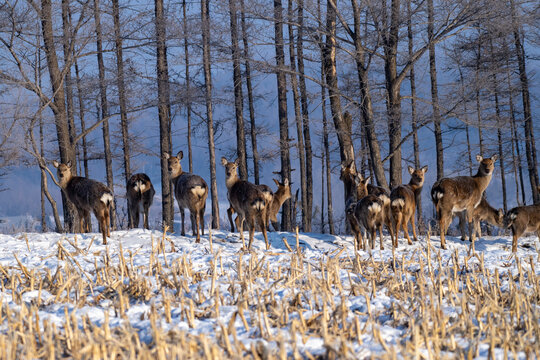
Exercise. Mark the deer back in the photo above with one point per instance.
(525, 217)
(246, 198)
(190, 191)
(369, 211)
(140, 189)
(88, 194)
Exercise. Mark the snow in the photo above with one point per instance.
(38, 252)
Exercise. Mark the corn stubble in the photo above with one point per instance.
(280, 305)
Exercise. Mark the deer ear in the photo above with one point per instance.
(424, 169)
(494, 157)
(286, 182)
(277, 182)
(237, 162)
(501, 213)
(479, 158)
(55, 164)
(69, 164)
(223, 161)
(180, 155)
(368, 179)
(166, 156)
(411, 169)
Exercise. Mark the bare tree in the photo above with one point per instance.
(205, 19)
(188, 85)
(164, 115)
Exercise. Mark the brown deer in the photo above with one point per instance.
(140, 195)
(483, 212)
(268, 196)
(461, 193)
(190, 191)
(367, 213)
(247, 200)
(522, 219)
(282, 194)
(87, 195)
(403, 204)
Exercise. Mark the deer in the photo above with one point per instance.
(522, 219)
(268, 196)
(368, 214)
(86, 195)
(403, 200)
(247, 200)
(348, 175)
(282, 194)
(461, 193)
(190, 191)
(140, 195)
(483, 212)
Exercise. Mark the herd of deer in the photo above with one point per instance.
(367, 206)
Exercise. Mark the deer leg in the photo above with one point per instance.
(443, 220)
(265, 235)
(201, 219)
(399, 219)
(251, 224)
(517, 231)
(135, 217)
(413, 228)
(145, 217)
(477, 228)
(381, 237)
(193, 218)
(464, 234)
(182, 215)
(108, 221)
(389, 223)
(406, 231)
(237, 222)
(241, 230)
(197, 222)
(230, 212)
(275, 225)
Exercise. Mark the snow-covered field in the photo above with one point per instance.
(152, 295)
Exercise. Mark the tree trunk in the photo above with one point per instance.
(238, 96)
(253, 128)
(326, 145)
(478, 107)
(435, 94)
(164, 115)
(322, 192)
(298, 118)
(530, 147)
(465, 111)
(81, 118)
(366, 106)
(210, 122)
(393, 105)
(122, 93)
(286, 218)
(515, 142)
(346, 149)
(188, 84)
(67, 39)
(305, 116)
(104, 108)
(58, 104)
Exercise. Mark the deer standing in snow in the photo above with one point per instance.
(403, 200)
(190, 191)
(247, 200)
(87, 195)
(140, 195)
(461, 193)
(523, 219)
(483, 212)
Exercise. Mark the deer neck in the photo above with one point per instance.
(177, 175)
(416, 187)
(482, 179)
(280, 197)
(231, 180)
(65, 182)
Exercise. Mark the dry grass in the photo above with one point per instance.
(444, 307)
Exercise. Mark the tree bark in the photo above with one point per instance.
(238, 95)
(122, 93)
(478, 106)
(104, 108)
(247, 66)
(286, 218)
(58, 107)
(209, 112)
(435, 93)
(305, 116)
(390, 41)
(68, 83)
(530, 146)
(366, 106)
(188, 84)
(164, 115)
(81, 118)
(298, 118)
(322, 192)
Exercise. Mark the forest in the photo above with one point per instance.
(385, 84)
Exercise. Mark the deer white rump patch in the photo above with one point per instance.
(375, 207)
(259, 205)
(106, 198)
(513, 216)
(198, 190)
(439, 195)
(398, 202)
(140, 186)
